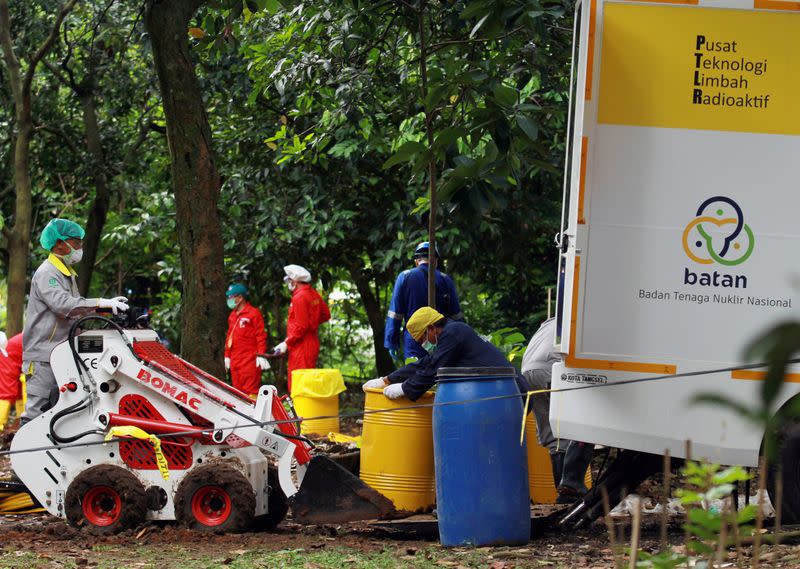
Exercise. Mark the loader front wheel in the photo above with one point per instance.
(105, 500)
(215, 498)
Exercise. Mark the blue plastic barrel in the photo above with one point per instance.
(482, 491)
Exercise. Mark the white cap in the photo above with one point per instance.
(297, 273)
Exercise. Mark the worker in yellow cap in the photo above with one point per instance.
(448, 344)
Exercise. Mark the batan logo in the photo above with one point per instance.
(718, 234)
(171, 391)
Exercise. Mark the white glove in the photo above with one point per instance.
(394, 391)
(262, 363)
(117, 304)
(3, 343)
(280, 349)
(377, 383)
(227, 363)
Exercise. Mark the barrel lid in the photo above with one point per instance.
(475, 371)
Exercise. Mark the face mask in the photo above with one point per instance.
(291, 285)
(427, 345)
(73, 257)
(231, 303)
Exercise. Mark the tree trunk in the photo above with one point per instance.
(195, 183)
(19, 237)
(376, 317)
(99, 210)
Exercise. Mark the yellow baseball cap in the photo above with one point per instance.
(420, 320)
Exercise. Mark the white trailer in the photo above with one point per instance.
(679, 235)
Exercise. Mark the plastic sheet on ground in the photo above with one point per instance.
(674, 506)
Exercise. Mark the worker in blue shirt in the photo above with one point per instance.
(409, 295)
(447, 344)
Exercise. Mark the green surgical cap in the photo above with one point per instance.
(60, 229)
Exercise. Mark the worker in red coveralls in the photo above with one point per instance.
(245, 341)
(10, 371)
(306, 312)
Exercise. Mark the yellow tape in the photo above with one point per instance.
(137, 433)
(342, 438)
(525, 410)
(524, 415)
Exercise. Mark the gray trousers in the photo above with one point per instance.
(540, 379)
(42, 390)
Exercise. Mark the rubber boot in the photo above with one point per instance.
(576, 461)
(557, 462)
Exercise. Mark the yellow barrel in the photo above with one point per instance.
(540, 471)
(397, 451)
(315, 392)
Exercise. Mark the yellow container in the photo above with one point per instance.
(315, 393)
(397, 451)
(540, 471)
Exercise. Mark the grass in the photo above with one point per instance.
(202, 557)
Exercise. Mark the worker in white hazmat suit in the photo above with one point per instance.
(569, 459)
(53, 305)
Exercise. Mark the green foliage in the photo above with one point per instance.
(318, 120)
(511, 342)
(706, 484)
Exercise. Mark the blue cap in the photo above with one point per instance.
(236, 290)
(421, 252)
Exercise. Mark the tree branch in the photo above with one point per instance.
(61, 134)
(437, 46)
(46, 44)
(59, 75)
(8, 48)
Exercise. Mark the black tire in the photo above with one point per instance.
(277, 503)
(105, 500)
(215, 498)
(788, 464)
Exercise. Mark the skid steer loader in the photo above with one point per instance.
(204, 453)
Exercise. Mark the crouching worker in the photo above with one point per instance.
(53, 305)
(448, 344)
(569, 459)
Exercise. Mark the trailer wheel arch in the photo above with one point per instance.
(787, 465)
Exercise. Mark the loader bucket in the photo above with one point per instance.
(330, 494)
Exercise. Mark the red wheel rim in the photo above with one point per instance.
(102, 506)
(211, 505)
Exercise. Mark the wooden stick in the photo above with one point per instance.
(612, 537)
(737, 541)
(636, 531)
(725, 516)
(778, 506)
(666, 494)
(762, 478)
